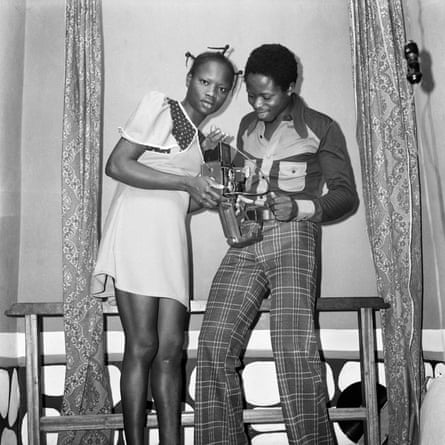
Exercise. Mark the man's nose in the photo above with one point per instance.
(257, 103)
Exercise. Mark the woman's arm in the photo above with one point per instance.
(123, 166)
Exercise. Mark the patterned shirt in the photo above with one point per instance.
(305, 158)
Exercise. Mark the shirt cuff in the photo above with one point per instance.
(306, 209)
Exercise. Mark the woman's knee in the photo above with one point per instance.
(169, 356)
(141, 348)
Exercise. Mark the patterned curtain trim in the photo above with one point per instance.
(386, 134)
(86, 383)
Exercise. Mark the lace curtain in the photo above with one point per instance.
(386, 133)
(86, 382)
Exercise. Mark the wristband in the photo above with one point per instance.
(306, 209)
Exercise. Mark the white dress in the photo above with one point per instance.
(144, 246)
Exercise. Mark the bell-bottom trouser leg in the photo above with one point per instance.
(285, 263)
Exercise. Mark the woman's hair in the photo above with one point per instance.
(275, 61)
(214, 56)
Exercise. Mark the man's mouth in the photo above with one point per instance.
(261, 113)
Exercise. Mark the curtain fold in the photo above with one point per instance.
(386, 135)
(86, 381)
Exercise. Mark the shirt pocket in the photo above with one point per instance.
(292, 176)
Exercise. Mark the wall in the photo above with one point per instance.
(154, 59)
(142, 52)
(40, 249)
(425, 25)
(12, 42)
(145, 44)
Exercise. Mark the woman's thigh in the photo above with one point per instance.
(138, 314)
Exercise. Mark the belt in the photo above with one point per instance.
(260, 214)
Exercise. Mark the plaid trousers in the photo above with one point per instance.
(284, 263)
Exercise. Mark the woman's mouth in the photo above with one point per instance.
(207, 104)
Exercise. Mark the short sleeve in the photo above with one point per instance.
(151, 123)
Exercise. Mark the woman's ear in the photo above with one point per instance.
(188, 79)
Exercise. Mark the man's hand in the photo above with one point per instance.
(283, 206)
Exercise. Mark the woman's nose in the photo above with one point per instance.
(211, 90)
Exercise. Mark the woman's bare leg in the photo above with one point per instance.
(138, 315)
(166, 374)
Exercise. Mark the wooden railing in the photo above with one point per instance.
(38, 424)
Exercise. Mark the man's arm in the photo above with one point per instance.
(341, 198)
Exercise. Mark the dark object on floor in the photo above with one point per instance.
(351, 397)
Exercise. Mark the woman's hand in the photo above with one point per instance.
(214, 136)
(204, 191)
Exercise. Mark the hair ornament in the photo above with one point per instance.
(221, 49)
(189, 55)
(215, 52)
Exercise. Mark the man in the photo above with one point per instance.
(302, 176)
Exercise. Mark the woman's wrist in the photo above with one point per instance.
(186, 183)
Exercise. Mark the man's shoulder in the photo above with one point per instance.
(311, 115)
(247, 122)
(318, 121)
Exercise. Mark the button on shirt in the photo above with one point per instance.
(286, 163)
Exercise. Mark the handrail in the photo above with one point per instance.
(38, 424)
(323, 304)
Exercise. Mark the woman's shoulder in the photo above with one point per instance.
(153, 98)
(151, 123)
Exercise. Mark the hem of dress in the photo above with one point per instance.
(103, 288)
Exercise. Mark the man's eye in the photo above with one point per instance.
(204, 82)
(223, 90)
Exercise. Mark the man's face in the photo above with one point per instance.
(266, 98)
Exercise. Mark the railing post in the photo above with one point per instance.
(368, 366)
(32, 378)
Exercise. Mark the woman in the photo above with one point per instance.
(157, 162)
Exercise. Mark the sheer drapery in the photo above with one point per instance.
(86, 381)
(386, 134)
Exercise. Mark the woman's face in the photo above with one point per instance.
(207, 89)
(268, 99)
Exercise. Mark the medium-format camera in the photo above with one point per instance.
(414, 74)
(220, 167)
(237, 228)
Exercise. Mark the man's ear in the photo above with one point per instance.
(290, 89)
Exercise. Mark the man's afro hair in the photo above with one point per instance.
(275, 61)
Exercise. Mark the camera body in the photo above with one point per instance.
(219, 166)
(235, 224)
